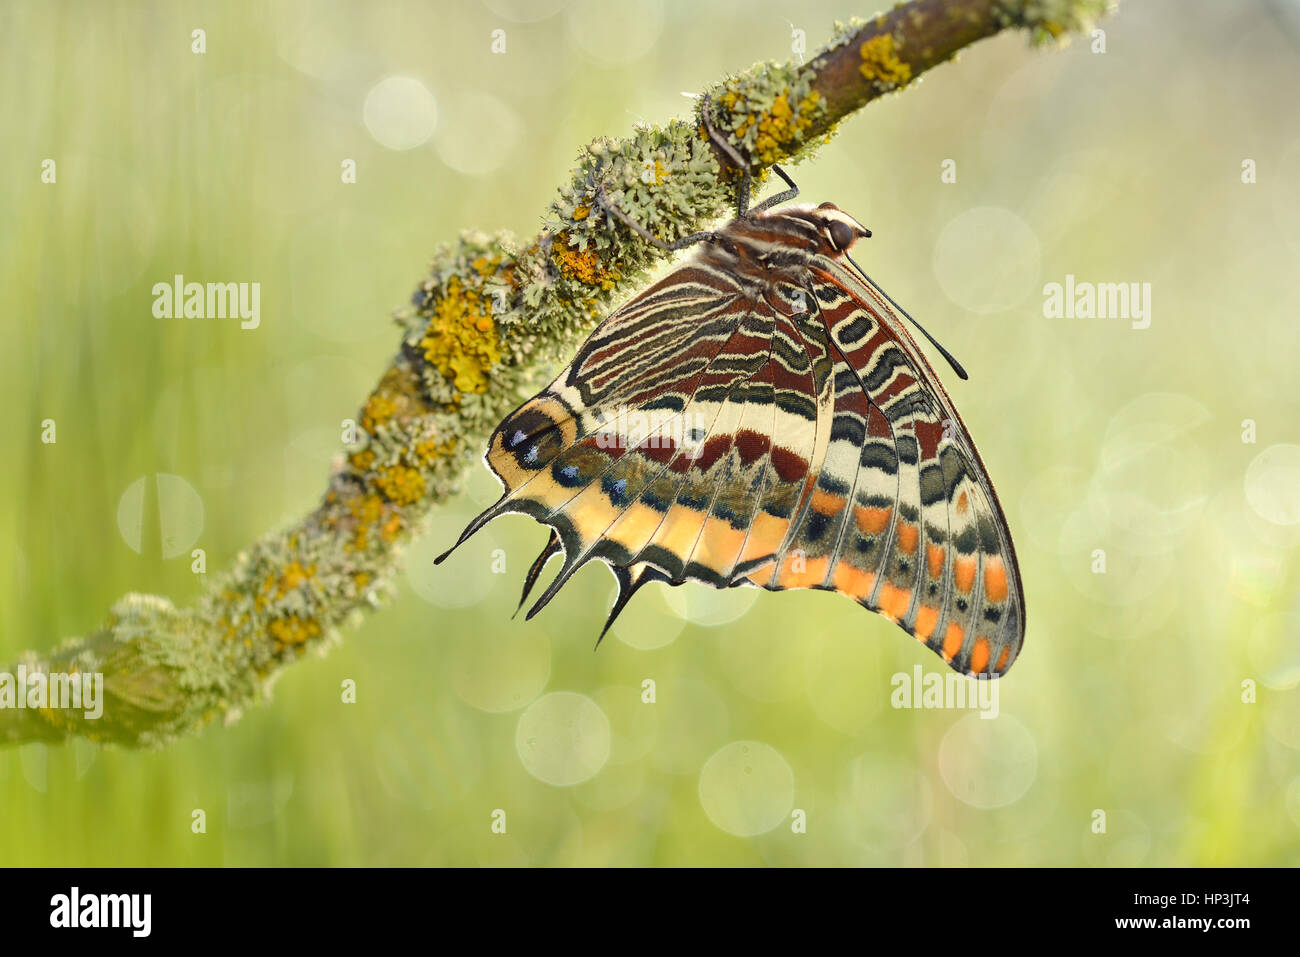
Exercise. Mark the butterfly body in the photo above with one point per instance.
(761, 416)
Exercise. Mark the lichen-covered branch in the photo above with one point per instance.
(888, 52)
(494, 316)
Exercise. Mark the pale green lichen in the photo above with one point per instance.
(1052, 21)
(164, 670)
(843, 31)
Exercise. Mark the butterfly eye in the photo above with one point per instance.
(841, 235)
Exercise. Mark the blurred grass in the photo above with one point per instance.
(225, 167)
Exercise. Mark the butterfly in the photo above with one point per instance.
(762, 417)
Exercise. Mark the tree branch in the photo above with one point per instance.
(483, 330)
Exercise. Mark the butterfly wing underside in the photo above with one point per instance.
(916, 530)
(790, 438)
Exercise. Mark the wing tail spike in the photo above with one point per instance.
(473, 527)
(625, 589)
(571, 565)
(629, 582)
(552, 546)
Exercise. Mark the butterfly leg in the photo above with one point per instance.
(747, 183)
(722, 143)
(782, 197)
(644, 233)
(742, 198)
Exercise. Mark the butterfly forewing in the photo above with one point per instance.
(760, 416)
(948, 573)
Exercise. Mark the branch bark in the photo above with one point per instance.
(493, 317)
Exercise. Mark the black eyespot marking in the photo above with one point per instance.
(532, 438)
(616, 490)
(568, 475)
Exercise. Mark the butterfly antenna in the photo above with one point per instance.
(952, 361)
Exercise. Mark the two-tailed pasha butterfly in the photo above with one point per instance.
(761, 416)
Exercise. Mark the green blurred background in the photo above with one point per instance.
(1117, 167)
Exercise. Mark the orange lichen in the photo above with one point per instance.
(293, 630)
(401, 484)
(294, 575)
(880, 63)
(584, 265)
(430, 449)
(367, 510)
(776, 128)
(461, 340)
(378, 410)
(392, 528)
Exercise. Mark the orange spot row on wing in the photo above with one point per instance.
(800, 572)
(853, 582)
(908, 536)
(995, 580)
(934, 560)
(926, 619)
(964, 574)
(872, 521)
(893, 602)
(952, 639)
(828, 504)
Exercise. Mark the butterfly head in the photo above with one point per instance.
(837, 230)
(824, 230)
(779, 244)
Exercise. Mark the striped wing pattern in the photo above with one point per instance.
(769, 427)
